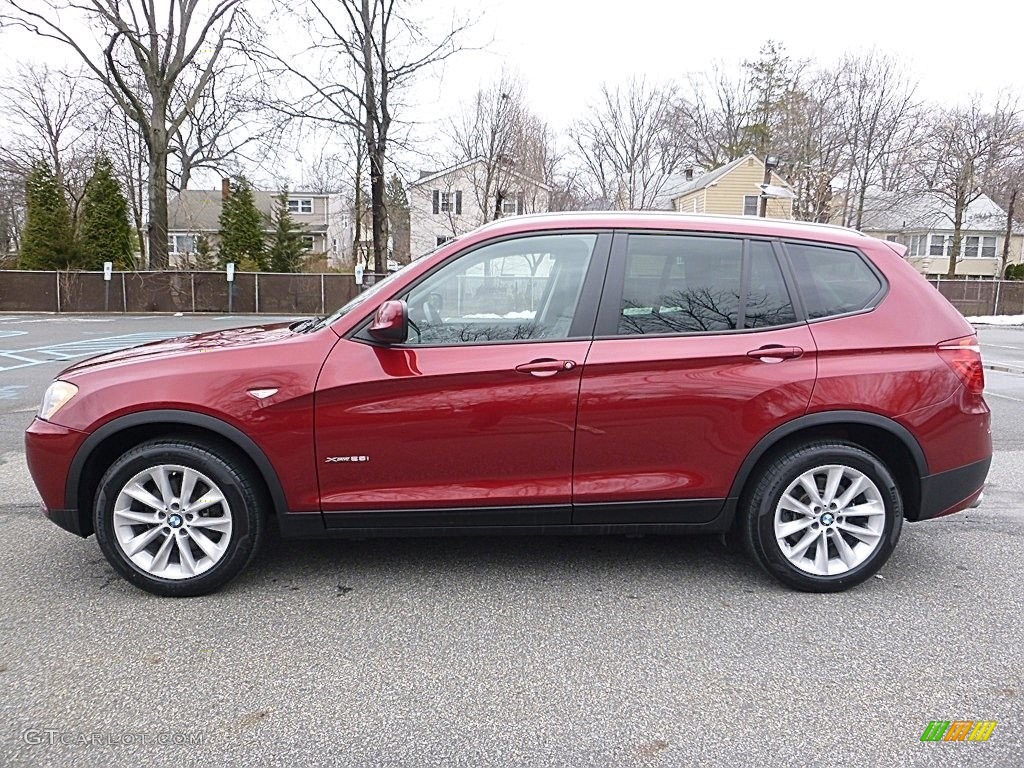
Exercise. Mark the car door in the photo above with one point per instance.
(470, 421)
(699, 351)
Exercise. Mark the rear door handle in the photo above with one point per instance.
(546, 367)
(775, 353)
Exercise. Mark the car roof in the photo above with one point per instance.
(668, 220)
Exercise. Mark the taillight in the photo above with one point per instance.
(964, 357)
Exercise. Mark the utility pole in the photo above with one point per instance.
(771, 162)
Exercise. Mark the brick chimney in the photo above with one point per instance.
(688, 173)
(225, 188)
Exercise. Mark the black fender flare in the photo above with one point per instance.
(825, 419)
(185, 418)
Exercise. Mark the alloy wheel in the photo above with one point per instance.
(172, 522)
(830, 520)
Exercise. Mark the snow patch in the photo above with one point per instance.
(996, 320)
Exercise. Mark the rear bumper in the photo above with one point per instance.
(952, 491)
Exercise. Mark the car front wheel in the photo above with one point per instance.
(178, 518)
(823, 516)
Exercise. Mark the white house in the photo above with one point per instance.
(923, 222)
(448, 203)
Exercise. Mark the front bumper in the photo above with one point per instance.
(952, 491)
(49, 450)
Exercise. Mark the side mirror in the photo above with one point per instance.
(391, 323)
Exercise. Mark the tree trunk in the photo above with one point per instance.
(157, 182)
(954, 246)
(1011, 204)
(380, 211)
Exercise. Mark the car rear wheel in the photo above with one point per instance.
(178, 518)
(823, 516)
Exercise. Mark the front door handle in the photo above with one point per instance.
(546, 367)
(775, 353)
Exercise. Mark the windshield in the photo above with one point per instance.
(373, 290)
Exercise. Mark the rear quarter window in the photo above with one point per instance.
(832, 281)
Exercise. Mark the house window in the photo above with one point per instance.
(442, 239)
(181, 244)
(979, 246)
(510, 206)
(307, 242)
(750, 204)
(448, 202)
(300, 205)
(938, 245)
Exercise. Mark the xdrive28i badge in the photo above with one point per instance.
(345, 459)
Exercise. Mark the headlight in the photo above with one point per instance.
(56, 395)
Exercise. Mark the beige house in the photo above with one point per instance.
(923, 222)
(733, 189)
(325, 221)
(448, 203)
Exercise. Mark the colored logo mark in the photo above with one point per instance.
(958, 730)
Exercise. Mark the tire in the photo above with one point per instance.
(775, 531)
(179, 548)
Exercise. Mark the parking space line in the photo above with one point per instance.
(70, 350)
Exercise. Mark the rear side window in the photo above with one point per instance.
(768, 303)
(682, 284)
(832, 281)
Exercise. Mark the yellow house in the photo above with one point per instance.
(733, 189)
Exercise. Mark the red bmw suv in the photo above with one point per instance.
(801, 386)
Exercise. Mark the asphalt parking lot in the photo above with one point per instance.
(511, 652)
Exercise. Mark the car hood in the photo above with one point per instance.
(211, 341)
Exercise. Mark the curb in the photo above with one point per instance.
(1003, 368)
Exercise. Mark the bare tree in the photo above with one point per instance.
(511, 144)
(811, 140)
(364, 53)
(125, 144)
(173, 52)
(627, 144)
(12, 210)
(966, 149)
(711, 117)
(1008, 191)
(880, 118)
(51, 116)
(228, 125)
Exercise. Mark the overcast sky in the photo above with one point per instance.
(564, 49)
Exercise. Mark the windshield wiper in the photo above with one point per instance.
(303, 326)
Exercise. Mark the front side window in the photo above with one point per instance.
(300, 205)
(750, 205)
(514, 290)
(307, 242)
(832, 281)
